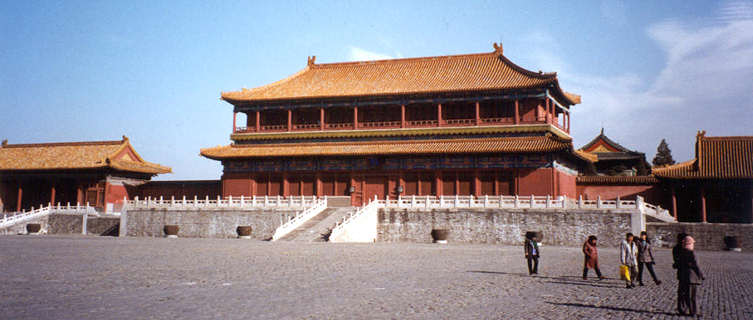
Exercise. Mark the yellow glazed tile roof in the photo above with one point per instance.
(118, 155)
(546, 143)
(716, 158)
(456, 73)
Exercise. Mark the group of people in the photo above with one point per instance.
(635, 256)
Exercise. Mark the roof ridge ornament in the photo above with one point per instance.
(498, 48)
(312, 60)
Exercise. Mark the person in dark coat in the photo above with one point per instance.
(645, 258)
(689, 277)
(591, 261)
(531, 248)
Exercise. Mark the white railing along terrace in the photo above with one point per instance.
(23, 216)
(372, 205)
(300, 218)
(509, 202)
(242, 202)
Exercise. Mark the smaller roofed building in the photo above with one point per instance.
(716, 186)
(612, 159)
(100, 173)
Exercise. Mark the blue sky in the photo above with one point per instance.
(73, 71)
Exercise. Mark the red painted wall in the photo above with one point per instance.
(537, 182)
(566, 184)
(611, 192)
(238, 184)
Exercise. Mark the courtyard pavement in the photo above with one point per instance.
(78, 277)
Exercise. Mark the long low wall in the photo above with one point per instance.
(73, 223)
(201, 223)
(708, 236)
(505, 226)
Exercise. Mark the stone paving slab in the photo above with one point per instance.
(69, 277)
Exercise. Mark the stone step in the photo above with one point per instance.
(317, 229)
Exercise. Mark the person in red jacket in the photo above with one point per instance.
(591, 258)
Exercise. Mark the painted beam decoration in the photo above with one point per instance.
(380, 163)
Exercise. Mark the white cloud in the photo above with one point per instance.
(706, 84)
(358, 54)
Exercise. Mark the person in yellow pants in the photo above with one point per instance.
(629, 259)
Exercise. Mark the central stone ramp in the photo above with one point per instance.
(314, 229)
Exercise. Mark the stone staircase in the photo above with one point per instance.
(315, 229)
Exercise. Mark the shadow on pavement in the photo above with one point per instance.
(581, 305)
(572, 280)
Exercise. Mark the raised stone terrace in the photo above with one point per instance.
(78, 277)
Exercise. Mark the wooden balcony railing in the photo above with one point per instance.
(422, 123)
(460, 122)
(497, 120)
(379, 124)
(307, 126)
(398, 124)
(276, 127)
(339, 126)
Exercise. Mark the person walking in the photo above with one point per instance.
(531, 248)
(591, 258)
(629, 258)
(645, 258)
(689, 277)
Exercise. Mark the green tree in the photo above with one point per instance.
(663, 155)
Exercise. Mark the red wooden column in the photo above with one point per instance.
(52, 195)
(252, 185)
(548, 112)
(478, 113)
(674, 203)
(355, 117)
(517, 111)
(318, 186)
(285, 186)
(439, 115)
(703, 205)
(290, 120)
(402, 116)
(79, 195)
(321, 118)
(457, 183)
(476, 184)
(235, 115)
(438, 182)
(258, 121)
(18, 201)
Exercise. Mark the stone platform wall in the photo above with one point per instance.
(708, 236)
(72, 224)
(201, 223)
(505, 226)
(21, 227)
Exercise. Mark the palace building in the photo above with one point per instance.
(473, 124)
(716, 186)
(100, 173)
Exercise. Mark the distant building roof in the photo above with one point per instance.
(427, 75)
(607, 149)
(716, 158)
(547, 143)
(118, 155)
